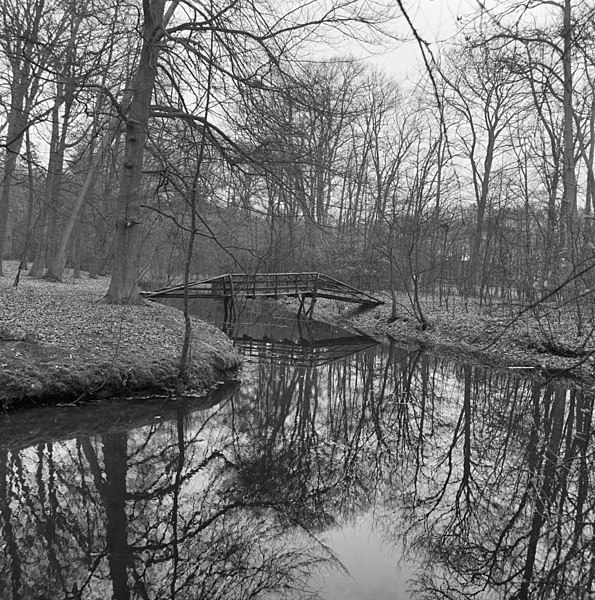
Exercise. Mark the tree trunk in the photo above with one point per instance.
(30, 206)
(116, 525)
(56, 270)
(17, 116)
(477, 259)
(52, 187)
(14, 139)
(123, 288)
(568, 208)
(76, 254)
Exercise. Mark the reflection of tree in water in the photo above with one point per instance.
(484, 478)
(504, 505)
(281, 464)
(325, 442)
(149, 513)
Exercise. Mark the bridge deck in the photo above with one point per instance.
(269, 285)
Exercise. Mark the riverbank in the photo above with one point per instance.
(60, 344)
(543, 342)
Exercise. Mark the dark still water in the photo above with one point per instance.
(380, 474)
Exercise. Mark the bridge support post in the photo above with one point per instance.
(227, 321)
(310, 312)
(232, 298)
(227, 314)
(301, 308)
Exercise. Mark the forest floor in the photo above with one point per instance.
(60, 344)
(545, 341)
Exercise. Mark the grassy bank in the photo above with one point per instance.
(546, 341)
(58, 343)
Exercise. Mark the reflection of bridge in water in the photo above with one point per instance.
(268, 332)
(304, 347)
(269, 285)
(303, 353)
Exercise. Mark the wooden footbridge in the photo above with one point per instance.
(269, 285)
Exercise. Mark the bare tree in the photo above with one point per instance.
(28, 34)
(484, 94)
(245, 55)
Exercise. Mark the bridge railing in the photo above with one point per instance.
(276, 284)
(307, 284)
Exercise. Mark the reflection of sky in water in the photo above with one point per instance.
(372, 569)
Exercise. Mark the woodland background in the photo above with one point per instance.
(474, 179)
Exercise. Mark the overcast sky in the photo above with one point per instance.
(436, 21)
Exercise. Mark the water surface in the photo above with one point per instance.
(381, 473)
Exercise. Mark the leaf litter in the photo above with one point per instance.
(59, 341)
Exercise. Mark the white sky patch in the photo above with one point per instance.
(437, 22)
(372, 566)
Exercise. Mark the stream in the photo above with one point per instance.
(341, 468)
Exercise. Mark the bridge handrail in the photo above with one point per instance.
(309, 283)
(346, 285)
